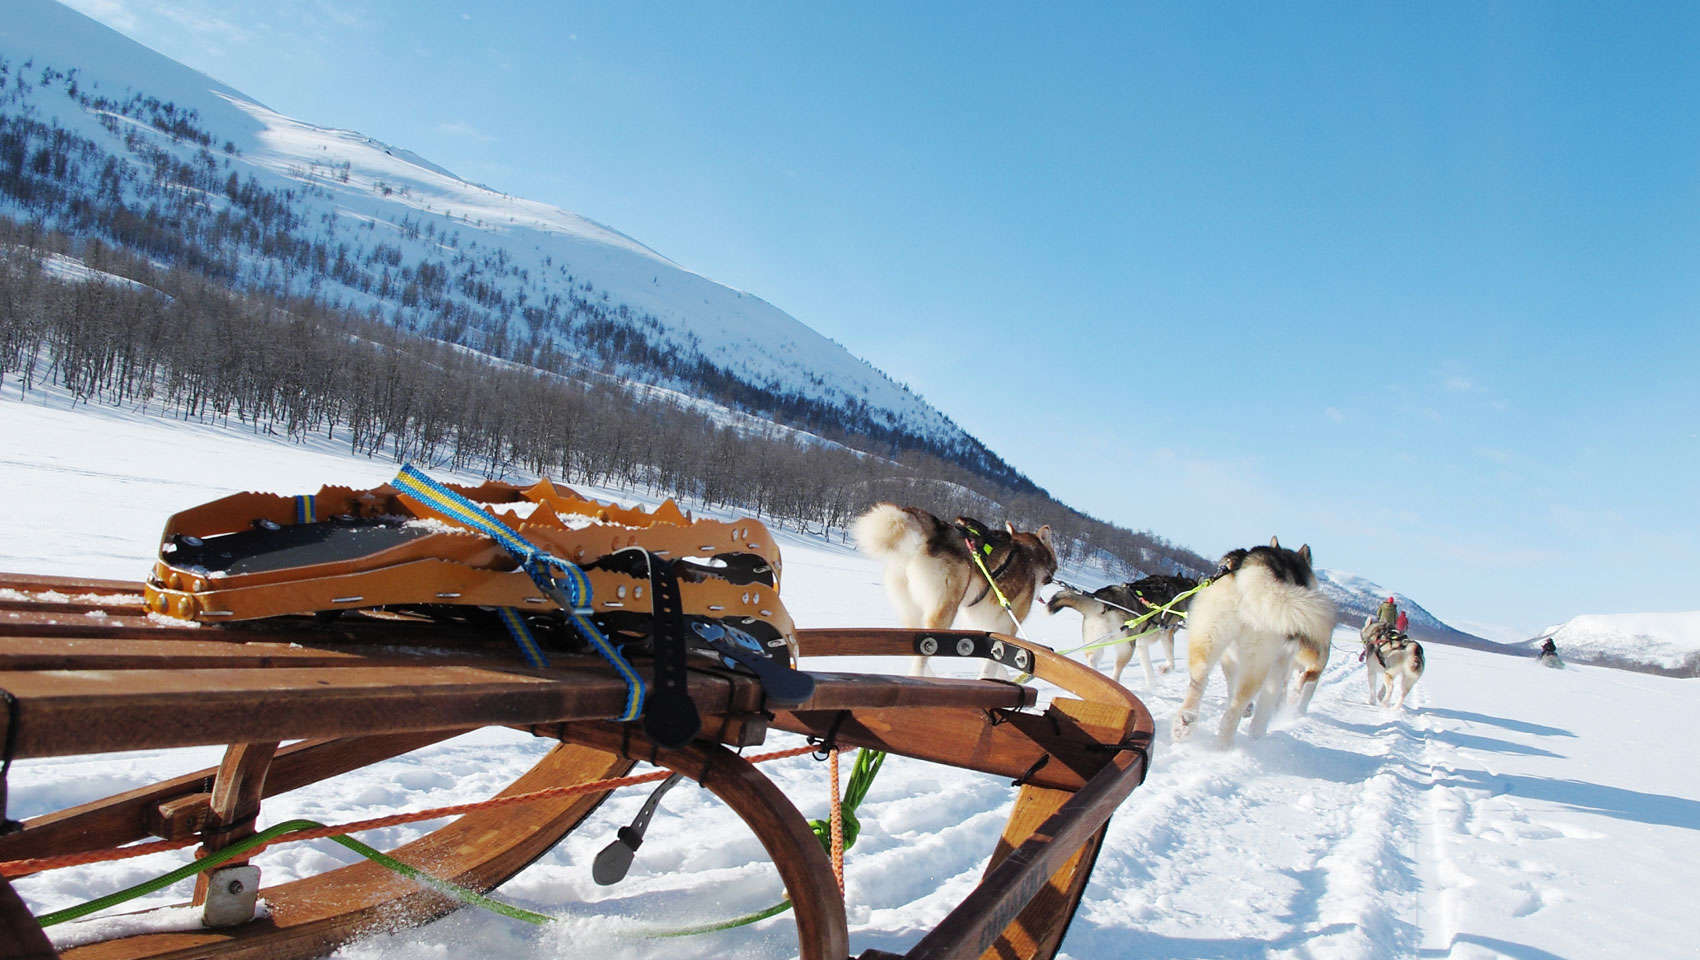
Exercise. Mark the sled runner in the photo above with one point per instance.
(318, 635)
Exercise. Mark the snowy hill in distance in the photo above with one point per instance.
(1356, 597)
(1665, 642)
(350, 220)
(1662, 643)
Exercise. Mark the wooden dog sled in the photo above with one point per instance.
(92, 667)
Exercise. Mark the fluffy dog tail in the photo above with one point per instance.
(886, 530)
(1066, 597)
(1287, 609)
(1416, 657)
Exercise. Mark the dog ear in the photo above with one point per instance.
(1275, 542)
(1010, 527)
(1304, 552)
(1044, 535)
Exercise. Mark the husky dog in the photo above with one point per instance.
(1105, 612)
(1253, 618)
(1390, 654)
(932, 579)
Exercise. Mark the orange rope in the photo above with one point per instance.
(837, 827)
(20, 868)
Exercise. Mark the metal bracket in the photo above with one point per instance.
(981, 647)
(231, 895)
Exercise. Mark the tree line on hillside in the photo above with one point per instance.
(171, 193)
(178, 344)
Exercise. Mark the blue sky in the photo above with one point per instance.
(1418, 285)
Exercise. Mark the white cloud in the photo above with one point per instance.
(460, 128)
(1458, 384)
(1335, 414)
(114, 13)
(138, 18)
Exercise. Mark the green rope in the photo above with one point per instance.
(718, 926)
(861, 778)
(235, 850)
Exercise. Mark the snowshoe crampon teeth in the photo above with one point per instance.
(255, 555)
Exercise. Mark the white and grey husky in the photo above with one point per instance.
(1253, 618)
(933, 581)
(1104, 614)
(1390, 656)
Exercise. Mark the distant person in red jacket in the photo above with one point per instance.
(1403, 620)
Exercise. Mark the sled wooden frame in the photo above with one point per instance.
(93, 673)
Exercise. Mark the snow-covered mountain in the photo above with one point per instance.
(105, 137)
(100, 136)
(1356, 597)
(1659, 642)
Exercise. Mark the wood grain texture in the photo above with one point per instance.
(313, 915)
(992, 913)
(94, 675)
(127, 817)
(233, 803)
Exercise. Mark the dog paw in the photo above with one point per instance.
(1164, 669)
(1181, 728)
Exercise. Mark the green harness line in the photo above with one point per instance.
(1136, 621)
(1003, 601)
(1128, 625)
(867, 766)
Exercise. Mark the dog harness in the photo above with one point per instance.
(985, 543)
(1395, 641)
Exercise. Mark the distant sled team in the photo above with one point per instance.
(1391, 657)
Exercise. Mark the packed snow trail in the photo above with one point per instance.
(1507, 811)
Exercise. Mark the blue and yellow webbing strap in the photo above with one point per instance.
(522, 635)
(571, 591)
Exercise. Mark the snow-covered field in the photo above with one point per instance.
(1509, 811)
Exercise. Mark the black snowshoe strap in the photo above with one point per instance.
(669, 716)
(611, 865)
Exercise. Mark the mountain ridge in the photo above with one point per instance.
(396, 234)
(400, 236)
